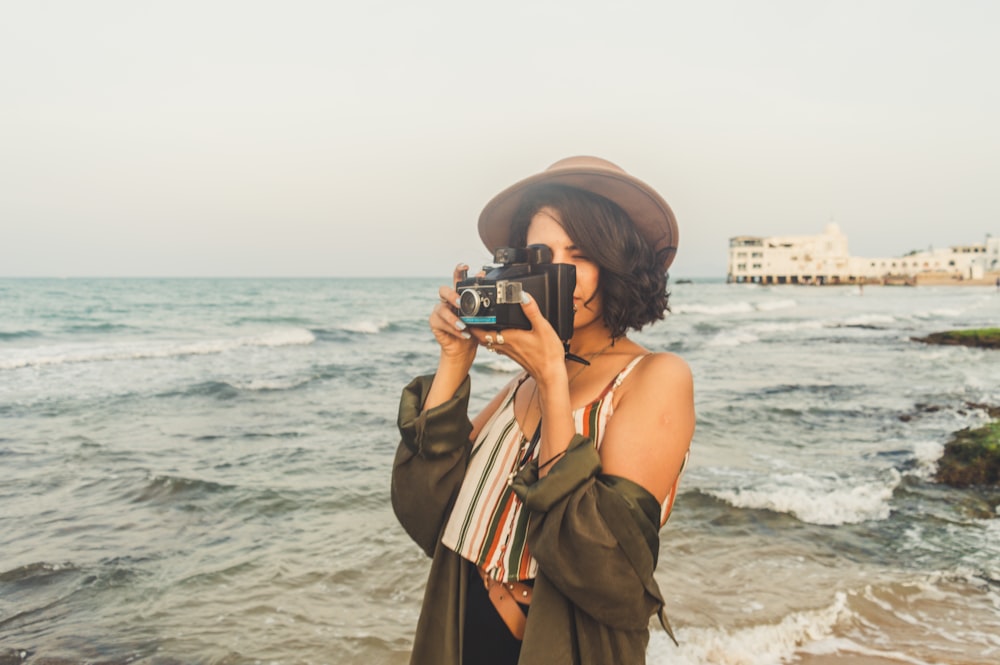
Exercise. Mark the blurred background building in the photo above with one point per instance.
(824, 259)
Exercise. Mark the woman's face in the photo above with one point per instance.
(546, 229)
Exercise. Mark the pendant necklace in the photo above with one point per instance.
(528, 448)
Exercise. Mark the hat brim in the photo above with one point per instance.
(651, 215)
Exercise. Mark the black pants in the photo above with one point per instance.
(488, 640)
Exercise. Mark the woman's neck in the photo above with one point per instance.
(589, 340)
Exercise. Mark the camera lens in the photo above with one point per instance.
(468, 302)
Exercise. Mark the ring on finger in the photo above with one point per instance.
(500, 339)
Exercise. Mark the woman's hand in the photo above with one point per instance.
(457, 344)
(542, 354)
(539, 350)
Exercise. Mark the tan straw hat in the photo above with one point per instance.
(647, 209)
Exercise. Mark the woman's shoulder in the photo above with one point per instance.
(660, 371)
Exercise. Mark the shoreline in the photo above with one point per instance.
(933, 279)
(921, 279)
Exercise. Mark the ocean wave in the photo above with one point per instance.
(840, 646)
(44, 356)
(940, 313)
(271, 385)
(927, 454)
(731, 338)
(18, 334)
(727, 308)
(811, 501)
(868, 321)
(230, 389)
(828, 390)
(754, 332)
(165, 489)
(198, 495)
(350, 330)
(773, 305)
(723, 309)
(35, 572)
(498, 364)
(217, 389)
(89, 328)
(751, 645)
(273, 320)
(909, 615)
(786, 326)
(364, 326)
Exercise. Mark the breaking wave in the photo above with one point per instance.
(54, 355)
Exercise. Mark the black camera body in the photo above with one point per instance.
(494, 301)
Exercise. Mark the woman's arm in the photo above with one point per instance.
(458, 346)
(649, 433)
(595, 516)
(430, 460)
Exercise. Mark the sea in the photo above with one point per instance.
(197, 471)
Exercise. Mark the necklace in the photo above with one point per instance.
(527, 447)
(534, 388)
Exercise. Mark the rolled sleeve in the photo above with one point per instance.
(430, 460)
(591, 537)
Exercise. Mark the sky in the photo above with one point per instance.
(326, 138)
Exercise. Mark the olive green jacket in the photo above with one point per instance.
(595, 538)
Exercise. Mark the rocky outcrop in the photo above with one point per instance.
(984, 338)
(972, 457)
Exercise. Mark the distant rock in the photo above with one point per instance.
(972, 457)
(983, 338)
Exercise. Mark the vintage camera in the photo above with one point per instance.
(494, 301)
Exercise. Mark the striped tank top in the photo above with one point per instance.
(488, 525)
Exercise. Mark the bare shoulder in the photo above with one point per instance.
(659, 383)
(648, 436)
(661, 371)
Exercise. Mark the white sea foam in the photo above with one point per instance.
(814, 501)
(743, 307)
(927, 454)
(499, 364)
(869, 320)
(772, 305)
(841, 645)
(727, 308)
(69, 354)
(787, 326)
(366, 327)
(941, 313)
(270, 384)
(732, 338)
(766, 644)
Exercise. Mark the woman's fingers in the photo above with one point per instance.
(448, 296)
(444, 319)
(461, 272)
(531, 310)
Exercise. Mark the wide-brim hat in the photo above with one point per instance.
(645, 207)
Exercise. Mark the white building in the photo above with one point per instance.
(824, 259)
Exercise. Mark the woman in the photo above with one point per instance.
(542, 512)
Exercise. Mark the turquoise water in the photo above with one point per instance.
(196, 471)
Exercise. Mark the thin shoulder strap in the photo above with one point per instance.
(617, 381)
(628, 368)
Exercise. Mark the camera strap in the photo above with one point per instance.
(572, 356)
(530, 450)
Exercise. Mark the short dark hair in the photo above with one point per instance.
(632, 281)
